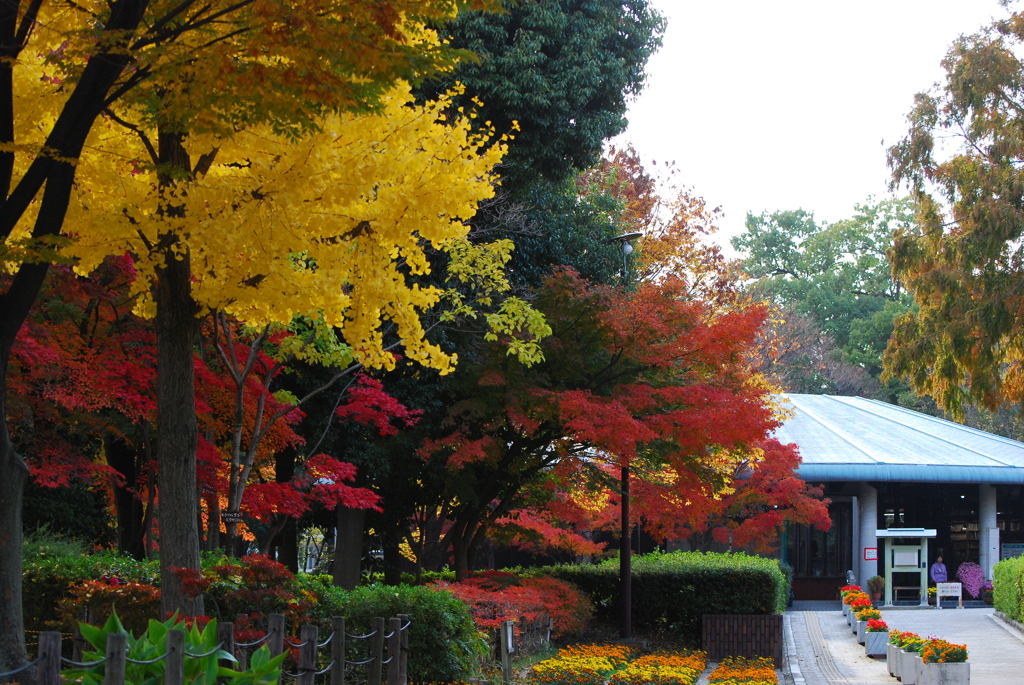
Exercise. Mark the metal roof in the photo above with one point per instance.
(856, 439)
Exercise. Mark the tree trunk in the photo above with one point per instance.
(212, 522)
(460, 550)
(390, 541)
(12, 488)
(348, 550)
(177, 427)
(288, 545)
(177, 434)
(288, 539)
(129, 508)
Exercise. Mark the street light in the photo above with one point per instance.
(626, 541)
(626, 240)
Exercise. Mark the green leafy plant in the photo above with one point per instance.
(876, 584)
(201, 661)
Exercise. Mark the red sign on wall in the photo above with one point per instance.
(870, 554)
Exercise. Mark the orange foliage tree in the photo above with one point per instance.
(653, 373)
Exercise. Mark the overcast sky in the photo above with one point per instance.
(785, 104)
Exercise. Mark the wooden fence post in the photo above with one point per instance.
(275, 628)
(174, 667)
(376, 651)
(394, 649)
(403, 669)
(505, 638)
(307, 654)
(48, 650)
(117, 653)
(78, 643)
(226, 638)
(338, 651)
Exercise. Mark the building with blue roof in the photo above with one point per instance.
(883, 467)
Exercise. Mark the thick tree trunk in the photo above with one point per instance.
(460, 550)
(130, 509)
(348, 548)
(288, 545)
(177, 434)
(177, 427)
(287, 541)
(12, 488)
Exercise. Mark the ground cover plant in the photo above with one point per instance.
(618, 665)
(737, 670)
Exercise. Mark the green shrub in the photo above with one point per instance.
(443, 642)
(672, 591)
(1008, 588)
(53, 566)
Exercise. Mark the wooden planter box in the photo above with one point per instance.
(876, 643)
(747, 635)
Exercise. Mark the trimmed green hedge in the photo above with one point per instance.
(1008, 588)
(672, 591)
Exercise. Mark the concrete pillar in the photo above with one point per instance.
(856, 553)
(868, 501)
(988, 529)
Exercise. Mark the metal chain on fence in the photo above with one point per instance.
(396, 639)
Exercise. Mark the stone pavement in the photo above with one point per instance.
(821, 649)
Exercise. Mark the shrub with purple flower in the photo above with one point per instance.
(971, 575)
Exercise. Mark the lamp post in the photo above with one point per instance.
(625, 540)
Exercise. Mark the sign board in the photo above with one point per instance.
(1012, 549)
(905, 558)
(948, 590)
(228, 517)
(870, 554)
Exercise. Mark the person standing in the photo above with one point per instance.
(938, 571)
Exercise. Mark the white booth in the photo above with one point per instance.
(906, 551)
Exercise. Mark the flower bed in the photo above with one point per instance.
(936, 651)
(737, 671)
(615, 665)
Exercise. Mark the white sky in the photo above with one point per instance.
(784, 104)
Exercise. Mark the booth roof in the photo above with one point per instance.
(856, 439)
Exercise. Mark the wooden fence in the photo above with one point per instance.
(388, 648)
(528, 637)
(748, 635)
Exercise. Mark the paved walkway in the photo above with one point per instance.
(821, 649)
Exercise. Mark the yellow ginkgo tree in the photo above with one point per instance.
(217, 67)
(332, 227)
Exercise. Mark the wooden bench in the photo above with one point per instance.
(916, 589)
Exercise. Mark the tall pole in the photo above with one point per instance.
(626, 541)
(625, 563)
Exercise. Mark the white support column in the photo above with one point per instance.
(868, 501)
(856, 552)
(988, 529)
